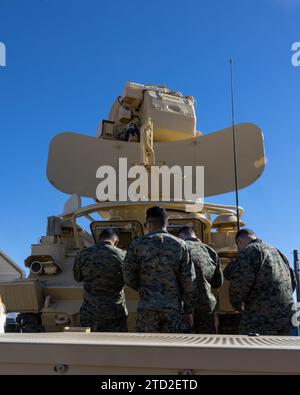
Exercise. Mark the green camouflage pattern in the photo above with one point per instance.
(260, 281)
(159, 322)
(204, 323)
(208, 275)
(100, 269)
(158, 266)
(101, 324)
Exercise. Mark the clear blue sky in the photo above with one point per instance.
(68, 60)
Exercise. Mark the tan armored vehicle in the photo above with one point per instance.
(148, 126)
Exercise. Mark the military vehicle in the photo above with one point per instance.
(148, 126)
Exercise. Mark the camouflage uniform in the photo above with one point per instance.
(100, 269)
(158, 266)
(261, 281)
(208, 276)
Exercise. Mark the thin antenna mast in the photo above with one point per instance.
(234, 148)
(296, 269)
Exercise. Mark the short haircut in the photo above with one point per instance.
(186, 231)
(244, 233)
(157, 216)
(108, 234)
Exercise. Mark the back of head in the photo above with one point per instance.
(109, 234)
(245, 233)
(157, 217)
(186, 232)
(243, 237)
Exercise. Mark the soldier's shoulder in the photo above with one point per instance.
(138, 243)
(140, 240)
(202, 251)
(200, 246)
(269, 250)
(83, 254)
(267, 246)
(252, 251)
(254, 246)
(173, 240)
(118, 251)
(107, 250)
(166, 237)
(194, 245)
(212, 253)
(86, 251)
(210, 249)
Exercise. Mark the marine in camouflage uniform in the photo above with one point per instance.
(100, 269)
(208, 276)
(157, 265)
(261, 287)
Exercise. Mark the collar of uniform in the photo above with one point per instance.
(103, 242)
(193, 239)
(157, 231)
(255, 241)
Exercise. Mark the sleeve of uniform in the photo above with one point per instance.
(130, 269)
(77, 268)
(119, 258)
(228, 270)
(293, 278)
(217, 279)
(242, 277)
(186, 278)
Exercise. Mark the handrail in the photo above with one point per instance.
(85, 211)
(222, 209)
